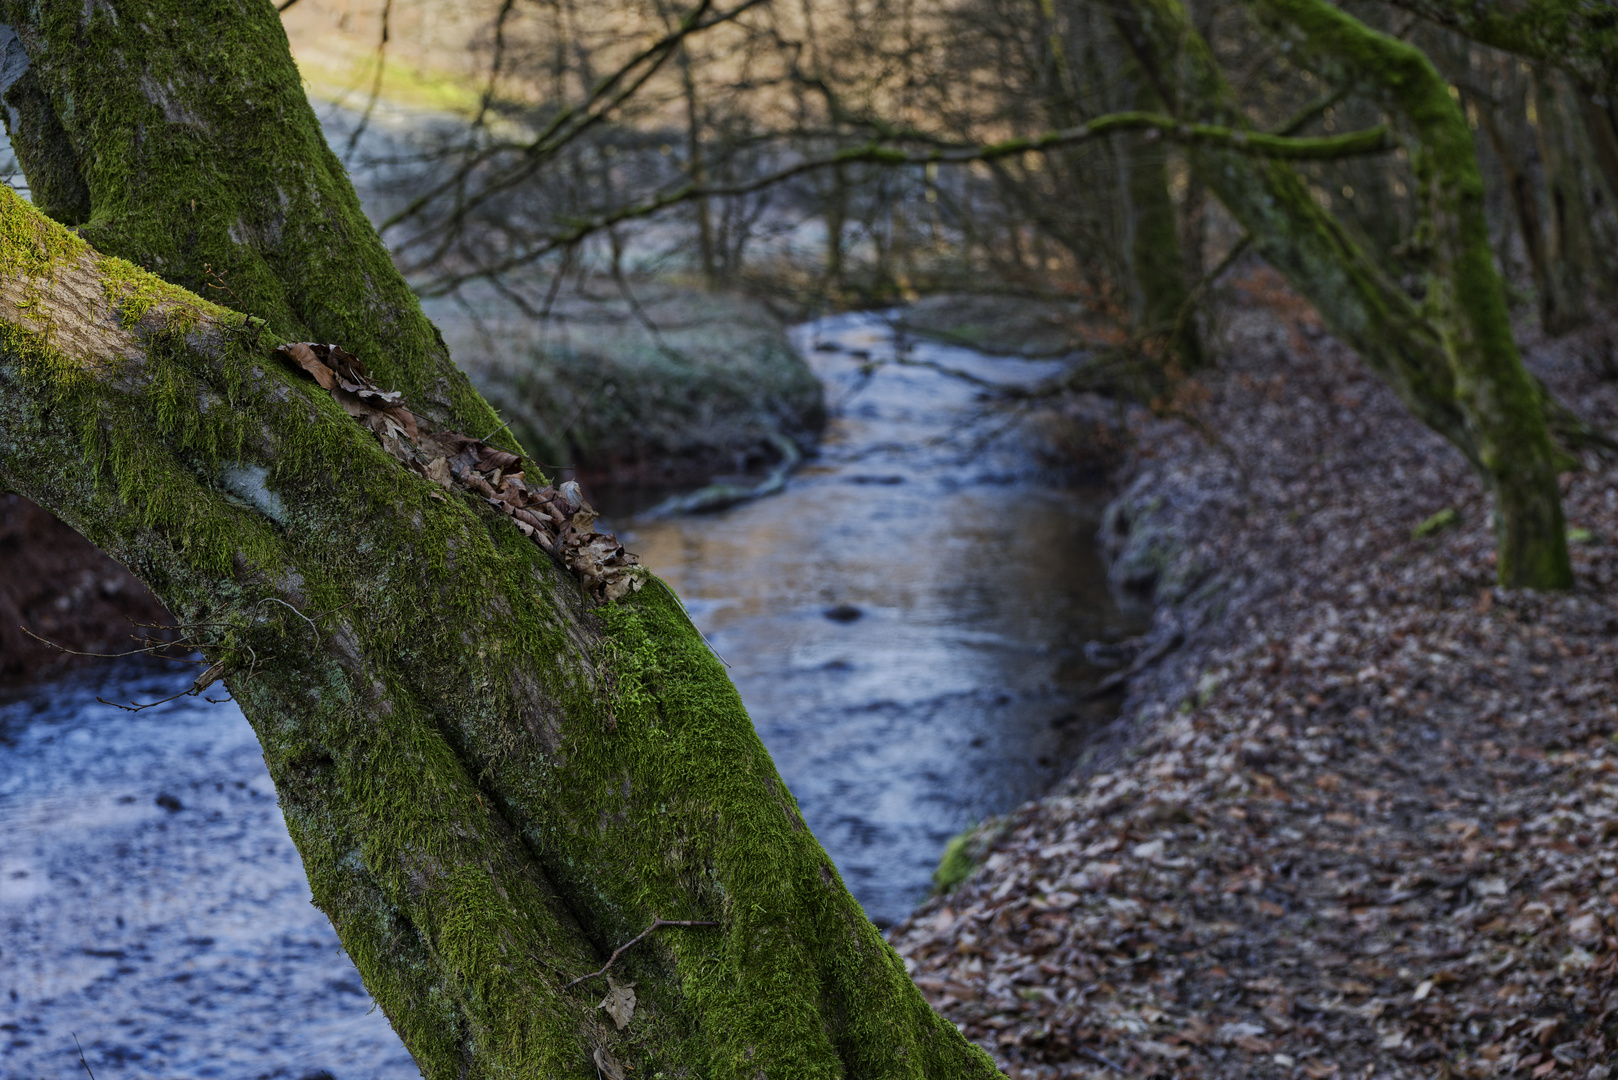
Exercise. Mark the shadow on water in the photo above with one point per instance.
(905, 623)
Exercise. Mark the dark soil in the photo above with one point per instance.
(54, 583)
(1362, 820)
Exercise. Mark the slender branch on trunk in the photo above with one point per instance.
(637, 939)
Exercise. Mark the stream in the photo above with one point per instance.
(905, 623)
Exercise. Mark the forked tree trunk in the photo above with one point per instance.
(1458, 371)
(493, 780)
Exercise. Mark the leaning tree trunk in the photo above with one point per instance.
(494, 778)
(1458, 372)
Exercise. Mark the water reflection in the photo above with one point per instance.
(906, 621)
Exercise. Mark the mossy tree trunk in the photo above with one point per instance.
(1148, 256)
(493, 782)
(1572, 177)
(1498, 399)
(1512, 139)
(1452, 359)
(1158, 286)
(1578, 36)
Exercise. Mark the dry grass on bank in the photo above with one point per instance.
(1367, 821)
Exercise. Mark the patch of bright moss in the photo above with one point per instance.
(1446, 518)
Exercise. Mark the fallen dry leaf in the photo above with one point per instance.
(610, 1067)
(558, 520)
(619, 1002)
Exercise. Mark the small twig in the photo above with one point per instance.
(149, 704)
(158, 647)
(1096, 1055)
(313, 629)
(222, 285)
(498, 430)
(80, 1049)
(656, 924)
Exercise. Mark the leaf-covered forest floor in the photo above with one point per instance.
(1363, 822)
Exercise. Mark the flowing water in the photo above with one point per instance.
(905, 623)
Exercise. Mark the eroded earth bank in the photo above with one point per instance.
(1360, 820)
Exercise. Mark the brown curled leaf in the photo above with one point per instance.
(492, 458)
(560, 521)
(438, 472)
(300, 353)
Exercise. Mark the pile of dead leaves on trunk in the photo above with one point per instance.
(558, 520)
(1368, 822)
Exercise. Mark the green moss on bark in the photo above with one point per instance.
(1452, 361)
(203, 162)
(1498, 399)
(492, 782)
(1578, 36)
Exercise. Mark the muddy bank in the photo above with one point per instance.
(1356, 818)
(55, 584)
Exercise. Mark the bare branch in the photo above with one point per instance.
(569, 123)
(1353, 144)
(657, 925)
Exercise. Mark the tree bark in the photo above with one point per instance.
(1511, 144)
(493, 781)
(186, 124)
(1571, 229)
(1578, 37)
(1158, 288)
(1459, 372)
(1498, 398)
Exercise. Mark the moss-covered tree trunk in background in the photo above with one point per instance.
(1452, 360)
(1148, 256)
(1158, 289)
(1498, 398)
(493, 782)
(1572, 178)
(1511, 138)
(1578, 36)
